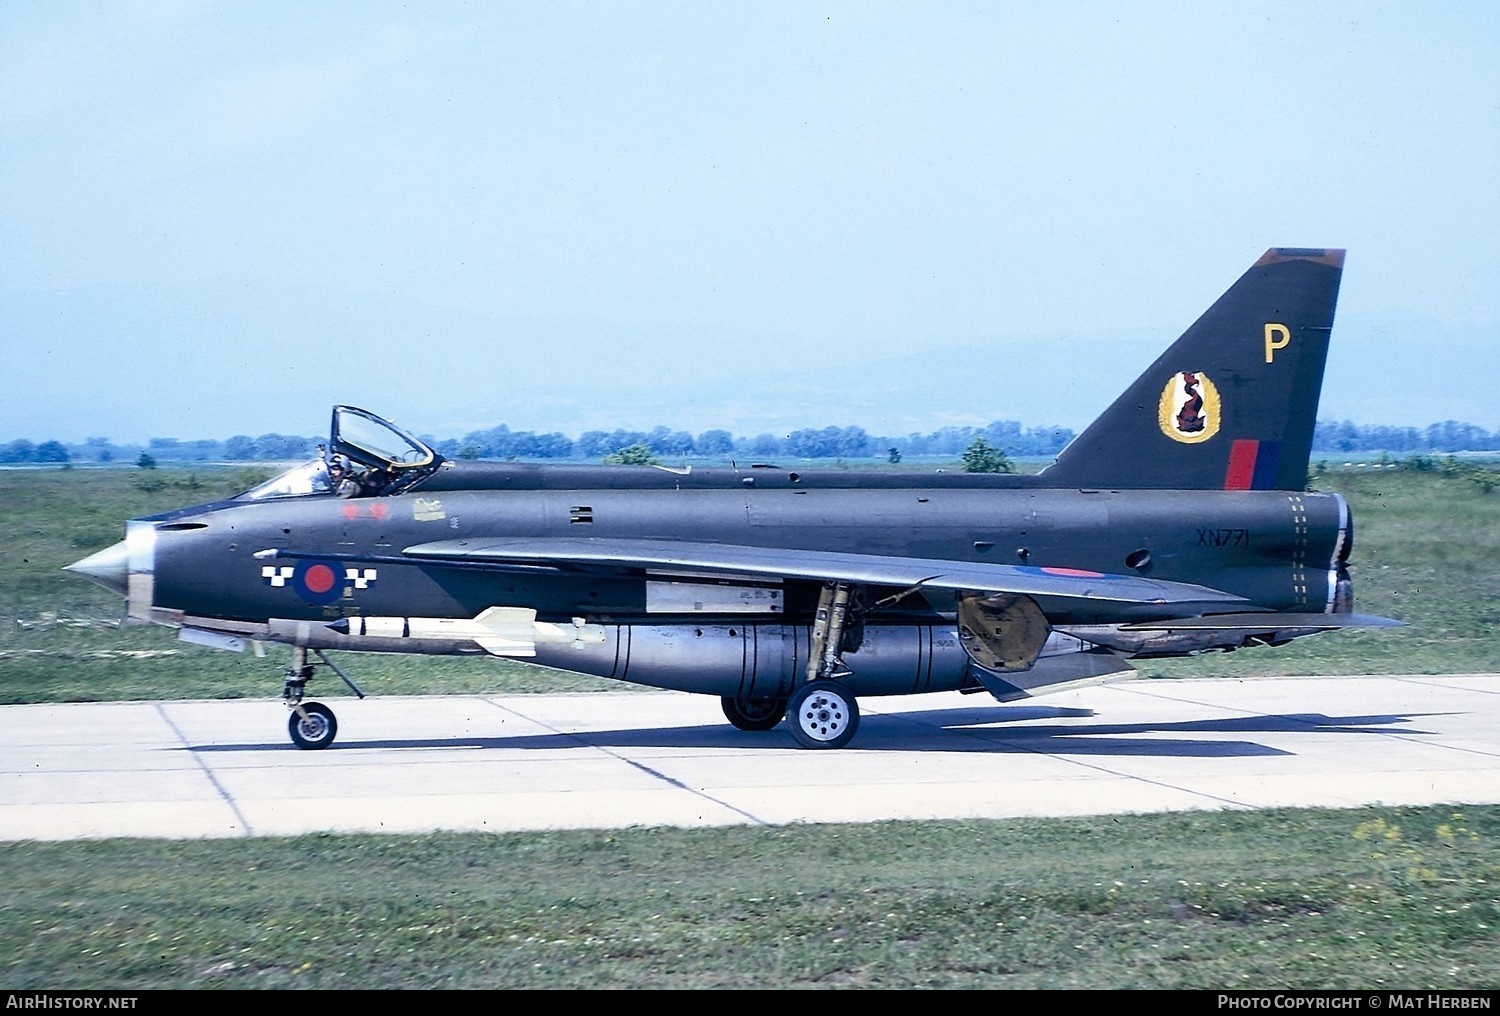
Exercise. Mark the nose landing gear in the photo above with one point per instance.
(311, 724)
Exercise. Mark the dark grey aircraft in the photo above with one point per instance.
(1177, 523)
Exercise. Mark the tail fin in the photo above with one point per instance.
(1232, 404)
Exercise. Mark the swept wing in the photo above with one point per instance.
(1066, 590)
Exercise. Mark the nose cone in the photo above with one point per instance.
(110, 568)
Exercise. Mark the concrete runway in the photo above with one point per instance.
(219, 769)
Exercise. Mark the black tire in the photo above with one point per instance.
(822, 714)
(754, 714)
(316, 729)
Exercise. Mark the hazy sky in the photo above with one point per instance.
(221, 218)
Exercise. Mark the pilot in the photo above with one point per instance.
(343, 481)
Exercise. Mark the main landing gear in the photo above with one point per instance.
(823, 712)
(311, 724)
(754, 714)
(823, 715)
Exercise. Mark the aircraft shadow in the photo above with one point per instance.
(977, 730)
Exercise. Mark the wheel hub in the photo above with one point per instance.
(823, 716)
(313, 726)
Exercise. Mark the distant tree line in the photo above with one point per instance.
(165, 450)
(24, 451)
(808, 443)
(1448, 436)
(663, 444)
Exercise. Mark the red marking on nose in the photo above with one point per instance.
(380, 511)
(349, 510)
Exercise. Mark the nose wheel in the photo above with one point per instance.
(312, 725)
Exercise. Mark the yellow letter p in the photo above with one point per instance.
(1277, 337)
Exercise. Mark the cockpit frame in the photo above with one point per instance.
(376, 443)
(378, 458)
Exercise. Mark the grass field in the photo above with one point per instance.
(1362, 899)
(1400, 898)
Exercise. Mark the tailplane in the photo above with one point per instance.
(1233, 403)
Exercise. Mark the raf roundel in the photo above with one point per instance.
(318, 581)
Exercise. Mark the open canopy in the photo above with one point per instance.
(367, 440)
(379, 458)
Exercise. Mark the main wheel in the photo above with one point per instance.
(316, 729)
(754, 714)
(823, 715)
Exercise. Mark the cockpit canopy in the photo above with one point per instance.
(374, 457)
(368, 440)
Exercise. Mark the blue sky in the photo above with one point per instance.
(222, 218)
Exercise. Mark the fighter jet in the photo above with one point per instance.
(1179, 522)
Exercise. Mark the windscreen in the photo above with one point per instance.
(308, 478)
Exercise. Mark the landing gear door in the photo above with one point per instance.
(372, 443)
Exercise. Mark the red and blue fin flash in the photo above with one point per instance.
(1252, 465)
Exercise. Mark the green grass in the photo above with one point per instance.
(1399, 898)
